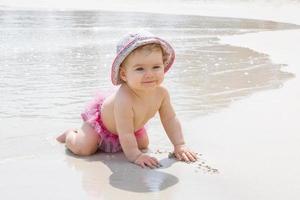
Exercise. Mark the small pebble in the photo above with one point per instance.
(171, 155)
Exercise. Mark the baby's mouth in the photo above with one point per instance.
(149, 81)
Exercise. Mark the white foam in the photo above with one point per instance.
(280, 45)
(284, 11)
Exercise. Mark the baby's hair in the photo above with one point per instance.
(147, 49)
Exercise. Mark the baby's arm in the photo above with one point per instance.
(124, 117)
(173, 129)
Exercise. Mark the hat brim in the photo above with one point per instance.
(168, 54)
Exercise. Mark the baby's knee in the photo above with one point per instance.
(86, 151)
(71, 142)
(82, 150)
(88, 148)
(79, 146)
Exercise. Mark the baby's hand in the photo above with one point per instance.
(183, 153)
(147, 161)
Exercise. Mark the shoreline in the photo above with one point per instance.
(277, 11)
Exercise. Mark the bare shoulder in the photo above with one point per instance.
(123, 96)
(163, 92)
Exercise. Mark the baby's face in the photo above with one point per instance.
(142, 70)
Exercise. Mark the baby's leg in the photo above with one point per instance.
(81, 142)
(62, 138)
(143, 140)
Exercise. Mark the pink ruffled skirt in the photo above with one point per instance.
(108, 142)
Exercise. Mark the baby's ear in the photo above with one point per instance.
(122, 73)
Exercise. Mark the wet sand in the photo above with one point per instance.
(260, 134)
(253, 142)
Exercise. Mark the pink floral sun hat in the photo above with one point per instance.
(132, 41)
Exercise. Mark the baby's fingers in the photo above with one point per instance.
(155, 162)
(185, 157)
(178, 156)
(142, 165)
(192, 157)
(150, 163)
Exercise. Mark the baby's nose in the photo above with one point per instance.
(148, 73)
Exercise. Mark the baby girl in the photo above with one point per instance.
(116, 122)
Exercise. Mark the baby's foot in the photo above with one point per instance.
(62, 137)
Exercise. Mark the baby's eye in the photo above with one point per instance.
(157, 67)
(139, 69)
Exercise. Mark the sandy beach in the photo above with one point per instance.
(249, 147)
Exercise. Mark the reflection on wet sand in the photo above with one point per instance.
(123, 175)
(224, 74)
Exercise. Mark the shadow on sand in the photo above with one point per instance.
(125, 175)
